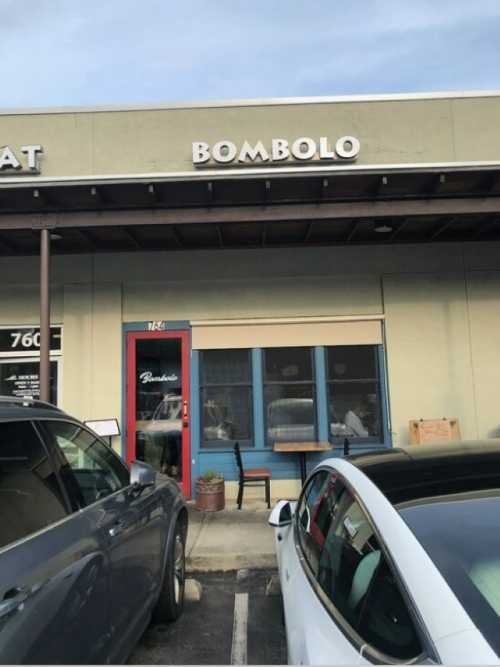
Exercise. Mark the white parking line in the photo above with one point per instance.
(239, 646)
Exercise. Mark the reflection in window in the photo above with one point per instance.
(89, 469)
(354, 392)
(159, 405)
(21, 379)
(30, 496)
(313, 516)
(289, 395)
(345, 557)
(461, 534)
(226, 396)
(169, 409)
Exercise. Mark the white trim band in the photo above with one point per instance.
(221, 173)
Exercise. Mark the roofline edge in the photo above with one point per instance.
(254, 102)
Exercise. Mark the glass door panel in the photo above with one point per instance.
(158, 425)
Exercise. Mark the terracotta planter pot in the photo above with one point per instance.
(210, 496)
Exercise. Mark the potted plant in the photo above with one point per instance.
(210, 492)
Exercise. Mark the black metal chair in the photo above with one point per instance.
(252, 477)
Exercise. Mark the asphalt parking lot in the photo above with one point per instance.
(235, 622)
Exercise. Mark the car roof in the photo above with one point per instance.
(404, 474)
(27, 408)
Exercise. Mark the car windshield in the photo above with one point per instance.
(462, 536)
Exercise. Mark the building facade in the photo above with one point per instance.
(260, 272)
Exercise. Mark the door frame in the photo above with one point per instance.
(131, 338)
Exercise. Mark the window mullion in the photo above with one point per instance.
(321, 394)
(258, 399)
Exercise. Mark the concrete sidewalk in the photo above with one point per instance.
(231, 539)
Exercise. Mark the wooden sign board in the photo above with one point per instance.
(434, 430)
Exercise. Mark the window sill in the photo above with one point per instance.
(336, 448)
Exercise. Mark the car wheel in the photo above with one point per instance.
(171, 601)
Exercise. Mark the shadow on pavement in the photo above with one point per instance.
(203, 634)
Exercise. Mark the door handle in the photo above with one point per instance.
(12, 601)
(185, 417)
(117, 528)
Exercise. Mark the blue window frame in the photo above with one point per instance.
(226, 398)
(354, 394)
(263, 395)
(289, 395)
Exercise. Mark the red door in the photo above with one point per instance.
(158, 403)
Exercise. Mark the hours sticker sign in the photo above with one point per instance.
(25, 341)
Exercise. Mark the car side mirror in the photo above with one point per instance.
(142, 475)
(282, 514)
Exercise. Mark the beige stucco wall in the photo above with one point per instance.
(429, 351)
(441, 306)
(92, 350)
(19, 303)
(146, 141)
(483, 294)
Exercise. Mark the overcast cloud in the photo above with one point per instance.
(98, 52)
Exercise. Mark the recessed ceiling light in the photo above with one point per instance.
(383, 229)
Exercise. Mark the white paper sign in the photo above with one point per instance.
(104, 427)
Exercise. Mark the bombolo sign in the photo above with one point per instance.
(279, 151)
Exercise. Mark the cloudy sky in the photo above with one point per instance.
(98, 52)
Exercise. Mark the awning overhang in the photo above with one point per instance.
(389, 204)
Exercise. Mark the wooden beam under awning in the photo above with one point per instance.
(271, 213)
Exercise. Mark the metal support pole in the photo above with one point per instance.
(45, 315)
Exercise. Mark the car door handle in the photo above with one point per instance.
(12, 601)
(117, 528)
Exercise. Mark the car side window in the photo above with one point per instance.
(313, 517)
(385, 621)
(30, 496)
(90, 470)
(355, 575)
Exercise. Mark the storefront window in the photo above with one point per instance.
(20, 361)
(354, 393)
(21, 378)
(289, 395)
(226, 398)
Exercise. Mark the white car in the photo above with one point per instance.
(394, 556)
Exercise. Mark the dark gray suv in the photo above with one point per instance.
(90, 550)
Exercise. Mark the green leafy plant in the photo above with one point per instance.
(212, 477)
